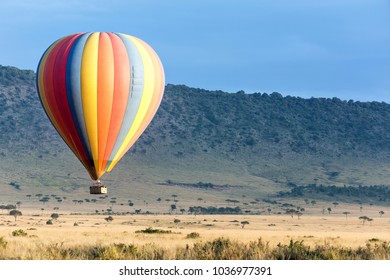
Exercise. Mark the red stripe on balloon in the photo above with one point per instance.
(62, 98)
(50, 78)
(55, 88)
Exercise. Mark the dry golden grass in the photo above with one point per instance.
(86, 230)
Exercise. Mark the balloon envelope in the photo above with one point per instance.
(100, 90)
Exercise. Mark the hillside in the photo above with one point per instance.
(250, 144)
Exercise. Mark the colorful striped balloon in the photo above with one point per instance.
(100, 90)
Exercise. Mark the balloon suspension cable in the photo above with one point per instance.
(97, 182)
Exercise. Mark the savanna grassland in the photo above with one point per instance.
(38, 234)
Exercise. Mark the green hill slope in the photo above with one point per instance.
(242, 144)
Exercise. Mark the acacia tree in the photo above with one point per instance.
(291, 212)
(346, 214)
(54, 216)
(381, 213)
(15, 213)
(243, 223)
(176, 222)
(364, 219)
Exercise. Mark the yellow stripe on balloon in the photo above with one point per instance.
(89, 92)
(147, 94)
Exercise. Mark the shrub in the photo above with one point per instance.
(3, 243)
(19, 232)
(49, 222)
(150, 230)
(193, 235)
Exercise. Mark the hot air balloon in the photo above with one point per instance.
(100, 90)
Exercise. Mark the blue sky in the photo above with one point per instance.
(320, 48)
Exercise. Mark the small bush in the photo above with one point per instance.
(150, 230)
(193, 235)
(3, 243)
(49, 222)
(19, 232)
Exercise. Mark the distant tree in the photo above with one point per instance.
(173, 207)
(335, 204)
(18, 204)
(54, 216)
(109, 219)
(364, 219)
(137, 211)
(381, 213)
(269, 211)
(182, 210)
(329, 210)
(176, 222)
(235, 201)
(44, 199)
(346, 213)
(158, 199)
(299, 214)
(243, 223)
(15, 213)
(291, 212)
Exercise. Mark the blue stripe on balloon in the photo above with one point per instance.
(73, 90)
(135, 93)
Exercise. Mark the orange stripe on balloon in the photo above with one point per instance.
(105, 92)
(156, 97)
(121, 93)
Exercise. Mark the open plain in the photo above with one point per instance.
(171, 235)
